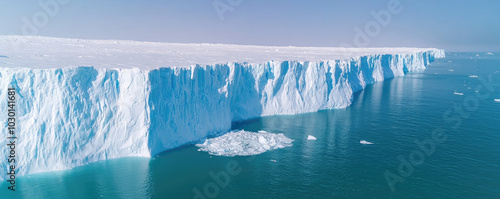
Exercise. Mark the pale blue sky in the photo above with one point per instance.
(455, 25)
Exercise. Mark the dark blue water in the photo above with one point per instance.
(458, 155)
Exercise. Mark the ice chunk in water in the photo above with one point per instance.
(244, 143)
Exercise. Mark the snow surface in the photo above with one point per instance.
(81, 101)
(244, 143)
(48, 52)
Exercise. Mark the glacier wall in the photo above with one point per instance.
(73, 116)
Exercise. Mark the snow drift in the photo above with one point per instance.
(70, 116)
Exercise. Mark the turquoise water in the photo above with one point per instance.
(394, 115)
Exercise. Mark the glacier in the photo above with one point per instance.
(81, 101)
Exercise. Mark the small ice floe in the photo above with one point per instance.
(365, 142)
(457, 93)
(496, 100)
(244, 143)
(473, 76)
(451, 70)
(310, 137)
(273, 160)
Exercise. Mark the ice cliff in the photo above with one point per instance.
(75, 107)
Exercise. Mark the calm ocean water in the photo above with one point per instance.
(429, 142)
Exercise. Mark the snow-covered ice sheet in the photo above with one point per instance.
(48, 52)
(244, 143)
(81, 101)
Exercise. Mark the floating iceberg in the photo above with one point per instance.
(244, 143)
(81, 101)
(364, 142)
(310, 137)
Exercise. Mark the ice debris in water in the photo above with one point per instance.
(244, 143)
(365, 142)
(310, 137)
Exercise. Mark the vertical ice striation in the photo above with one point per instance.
(73, 116)
(188, 104)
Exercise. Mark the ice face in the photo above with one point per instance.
(203, 100)
(70, 116)
(244, 143)
(74, 116)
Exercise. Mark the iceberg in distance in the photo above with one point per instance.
(81, 101)
(365, 142)
(310, 137)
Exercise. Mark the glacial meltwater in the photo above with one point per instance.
(407, 137)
